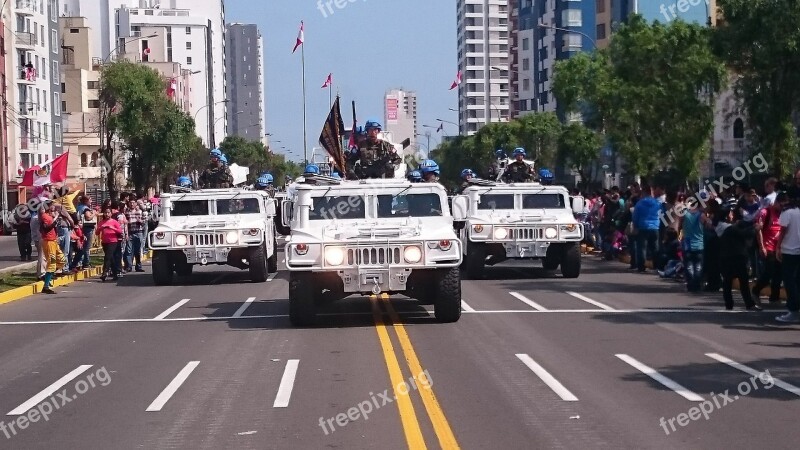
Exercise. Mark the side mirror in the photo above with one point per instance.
(577, 205)
(286, 213)
(270, 207)
(460, 207)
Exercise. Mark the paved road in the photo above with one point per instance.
(536, 361)
(9, 252)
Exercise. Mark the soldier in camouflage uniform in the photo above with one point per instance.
(217, 174)
(518, 171)
(377, 158)
(466, 175)
(264, 183)
(429, 170)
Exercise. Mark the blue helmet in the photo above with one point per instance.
(184, 181)
(372, 124)
(216, 153)
(467, 172)
(545, 174)
(336, 175)
(268, 176)
(500, 154)
(311, 169)
(223, 159)
(428, 166)
(415, 176)
(519, 151)
(264, 181)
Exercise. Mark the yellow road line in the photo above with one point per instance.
(407, 415)
(442, 428)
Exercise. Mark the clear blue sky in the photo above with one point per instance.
(369, 45)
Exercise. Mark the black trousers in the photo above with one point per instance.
(735, 268)
(110, 262)
(771, 276)
(24, 244)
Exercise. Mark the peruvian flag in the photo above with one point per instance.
(52, 171)
(329, 81)
(145, 52)
(172, 88)
(457, 81)
(441, 127)
(300, 37)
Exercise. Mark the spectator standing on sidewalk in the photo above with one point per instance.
(67, 206)
(111, 233)
(770, 193)
(89, 218)
(24, 238)
(122, 248)
(735, 238)
(767, 238)
(788, 254)
(646, 222)
(136, 226)
(693, 225)
(78, 240)
(50, 220)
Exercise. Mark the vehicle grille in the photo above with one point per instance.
(206, 239)
(371, 256)
(527, 234)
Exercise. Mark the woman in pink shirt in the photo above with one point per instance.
(110, 232)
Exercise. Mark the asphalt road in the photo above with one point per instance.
(536, 361)
(9, 252)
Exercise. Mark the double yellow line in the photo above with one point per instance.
(408, 416)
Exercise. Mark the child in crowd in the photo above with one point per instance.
(671, 255)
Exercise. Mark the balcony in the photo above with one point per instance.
(25, 39)
(27, 109)
(27, 75)
(26, 7)
(28, 142)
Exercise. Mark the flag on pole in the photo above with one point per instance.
(300, 37)
(52, 171)
(172, 87)
(145, 52)
(329, 81)
(353, 142)
(331, 136)
(441, 127)
(457, 81)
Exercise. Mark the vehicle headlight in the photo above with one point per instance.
(181, 240)
(232, 237)
(478, 228)
(412, 254)
(550, 233)
(500, 233)
(334, 256)
(571, 227)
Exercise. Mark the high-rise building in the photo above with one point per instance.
(522, 76)
(33, 102)
(400, 115)
(189, 32)
(483, 59)
(245, 91)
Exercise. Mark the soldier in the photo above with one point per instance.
(217, 175)
(376, 157)
(429, 170)
(494, 169)
(415, 176)
(264, 183)
(467, 175)
(518, 171)
(184, 182)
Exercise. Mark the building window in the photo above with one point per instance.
(41, 30)
(46, 133)
(57, 134)
(63, 105)
(526, 64)
(44, 72)
(188, 30)
(55, 70)
(54, 41)
(84, 160)
(44, 102)
(526, 84)
(95, 157)
(93, 84)
(189, 60)
(601, 31)
(601, 6)
(572, 18)
(188, 46)
(63, 88)
(56, 104)
(525, 44)
(573, 42)
(93, 104)
(738, 129)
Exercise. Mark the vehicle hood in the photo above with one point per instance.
(379, 230)
(527, 217)
(211, 223)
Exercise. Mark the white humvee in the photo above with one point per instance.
(370, 237)
(519, 221)
(214, 226)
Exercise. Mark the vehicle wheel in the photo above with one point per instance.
(272, 262)
(258, 264)
(475, 261)
(301, 299)
(184, 269)
(553, 257)
(162, 269)
(447, 304)
(571, 261)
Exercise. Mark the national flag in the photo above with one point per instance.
(145, 52)
(441, 127)
(457, 81)
(172, 87)
(331, 136)
(329, 81)
(51, 171)
(353, 142)
(300, 37)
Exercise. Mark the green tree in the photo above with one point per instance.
(579, 147)
(538, 134)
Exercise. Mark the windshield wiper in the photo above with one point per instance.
(401, 192)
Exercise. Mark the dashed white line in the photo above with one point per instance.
(548, 379)
(528, 301)
(750, 371)
(48, 391)
(466, 307)
(287, 383)
(654, 374)
(590, 301)
(171, 309)
(172, 387)
(243, 308)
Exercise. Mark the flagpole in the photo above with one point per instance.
(305, 138)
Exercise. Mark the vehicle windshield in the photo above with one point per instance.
(190, 208)
(409, 205)
(338, 207)
(496, 201)
(533, 201)
(238, 206)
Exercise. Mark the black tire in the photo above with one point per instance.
(447, 305)
(258, 264)
(162, 268)
(475, 261)
(571, 261)
(272, 262)
(184, 269)
(302, 312)
(555, 253)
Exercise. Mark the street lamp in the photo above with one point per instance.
(210, 125)
(553, 27)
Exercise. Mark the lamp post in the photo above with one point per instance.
(211, 139)
(553, 27)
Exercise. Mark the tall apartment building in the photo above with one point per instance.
(245, 90)
(522, 76)
(400, 115)
(33, 109)
(188, 32)
(483, 59)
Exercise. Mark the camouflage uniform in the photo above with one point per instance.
(377, 159)
(518, 172)
(216, 177)
(463, 186)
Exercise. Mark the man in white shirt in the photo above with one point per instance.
(771, 194)
(788, 253)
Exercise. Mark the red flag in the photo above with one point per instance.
(172, 87)
(457, 81)
(145, 52)
(50, 172)
(329, 81)
(300, 37)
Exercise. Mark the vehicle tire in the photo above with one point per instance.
(162, 268)
(302, 312)
(475, 260)
(426, 294)
(184, 269)
(258, 264)
(447, 304)
(553, 258)
(571, 261)
(272, 262)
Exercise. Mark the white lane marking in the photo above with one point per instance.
(548, 379)
(654, 374)
(172, 387)
(171, 309)
(466, 307)
(750, 371)
(244, 307)
(287, 383)
(528, 301)
(48, 391)
(272, 277)
(590, 301)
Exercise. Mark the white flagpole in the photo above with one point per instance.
(305, 138)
